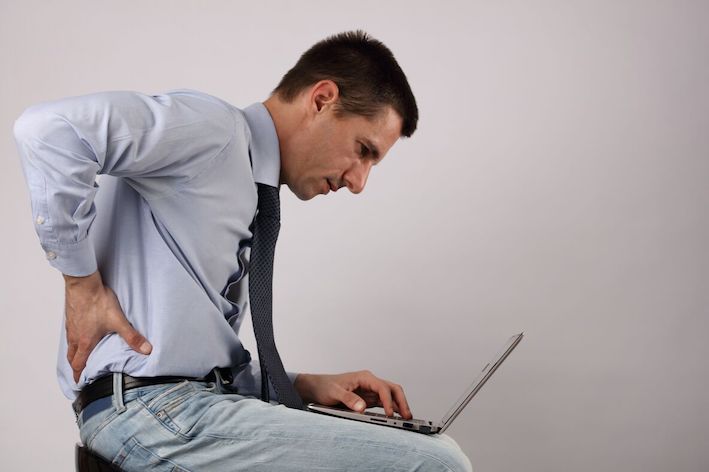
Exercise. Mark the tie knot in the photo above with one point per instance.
(268, 201)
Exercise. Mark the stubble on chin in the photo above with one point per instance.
(304, 194)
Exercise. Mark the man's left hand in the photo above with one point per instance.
(356, 390)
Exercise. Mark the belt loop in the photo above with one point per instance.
(118, 392)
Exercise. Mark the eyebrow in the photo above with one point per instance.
(372, 148)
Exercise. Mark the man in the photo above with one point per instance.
(154, 265)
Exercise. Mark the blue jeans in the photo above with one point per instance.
(199, 426)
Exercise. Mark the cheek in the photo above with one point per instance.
(326, 154)
(324, 159)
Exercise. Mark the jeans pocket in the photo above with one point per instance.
(170, 397)
(134, 456)
(178, 408)
(89, 430)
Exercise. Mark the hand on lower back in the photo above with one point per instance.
(92, 310)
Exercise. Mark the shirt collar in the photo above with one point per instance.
(264, 147)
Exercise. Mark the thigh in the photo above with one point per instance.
(264, 437)
(190, 427)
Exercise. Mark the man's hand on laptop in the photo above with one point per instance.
(356, 390)
(92, 311)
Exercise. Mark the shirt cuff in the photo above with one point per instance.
(74, 259)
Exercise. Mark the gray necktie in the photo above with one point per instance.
(263, 246)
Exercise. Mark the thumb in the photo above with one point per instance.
(135, 340)
(352, 400)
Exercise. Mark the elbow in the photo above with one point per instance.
(29, 124)
(40, 123)
(43, 133)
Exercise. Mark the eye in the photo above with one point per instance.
(364, 150)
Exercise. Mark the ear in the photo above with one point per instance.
(323, 94)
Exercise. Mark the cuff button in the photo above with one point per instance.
(51, 256)
(40, 220)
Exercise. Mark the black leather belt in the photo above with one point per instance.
(103, 386)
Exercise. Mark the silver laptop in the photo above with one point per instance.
(426, 426)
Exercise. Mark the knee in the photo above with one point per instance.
(456, 459)
(445, 455)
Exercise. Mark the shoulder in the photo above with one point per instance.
(118, 108)
(230, 112)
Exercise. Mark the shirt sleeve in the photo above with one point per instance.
(157, 142)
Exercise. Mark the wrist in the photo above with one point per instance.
(302, 386)
(90, 285)
(88, 280)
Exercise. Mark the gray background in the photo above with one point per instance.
(557, 184)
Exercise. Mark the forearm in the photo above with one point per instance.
(304, 385)
(60, 170)
(157, 141)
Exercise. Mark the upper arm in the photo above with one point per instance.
(128, 134)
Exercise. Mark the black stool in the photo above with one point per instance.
(87, 461)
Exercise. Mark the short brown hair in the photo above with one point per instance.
(365, 71)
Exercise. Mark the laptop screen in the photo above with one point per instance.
(487, 371)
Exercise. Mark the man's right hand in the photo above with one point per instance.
(92, 311)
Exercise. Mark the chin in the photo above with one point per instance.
(302, 195)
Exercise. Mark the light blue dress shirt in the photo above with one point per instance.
(169, 227)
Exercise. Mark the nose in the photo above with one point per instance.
(356, 178)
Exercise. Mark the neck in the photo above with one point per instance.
(285, 119)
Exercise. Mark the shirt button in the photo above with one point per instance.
(40, 220)
(51, 256)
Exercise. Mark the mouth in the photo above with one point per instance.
(332, 186)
